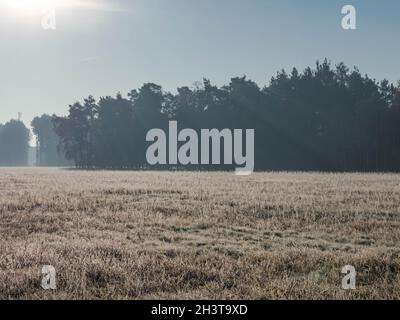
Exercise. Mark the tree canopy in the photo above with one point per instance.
(49, 151)
(325, 118)
(14, 144)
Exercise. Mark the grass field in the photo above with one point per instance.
(145, 235)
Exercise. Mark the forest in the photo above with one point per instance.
(325, 118)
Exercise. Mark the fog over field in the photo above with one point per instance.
(226, 153)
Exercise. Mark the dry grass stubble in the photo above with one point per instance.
(144, 235)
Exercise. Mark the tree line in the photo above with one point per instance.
(15, 143)
(325, 118)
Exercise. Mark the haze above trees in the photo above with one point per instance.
(326, 118)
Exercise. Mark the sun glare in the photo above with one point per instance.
(31, 6)
(34, 7)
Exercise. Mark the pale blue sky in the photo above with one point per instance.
(118, 45)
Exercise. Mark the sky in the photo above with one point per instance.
(101, 47)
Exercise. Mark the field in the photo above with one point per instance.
(147, 235)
